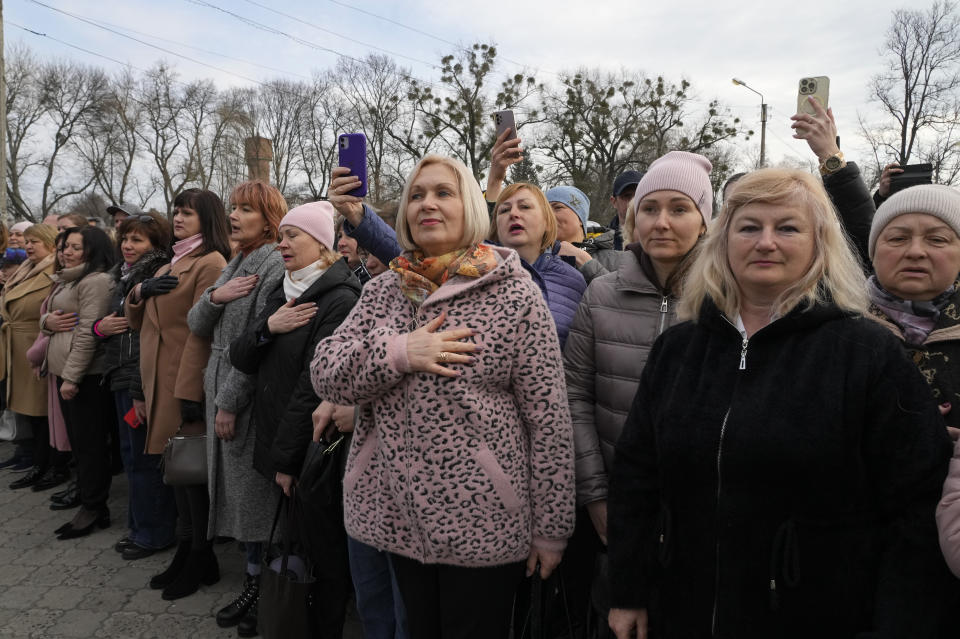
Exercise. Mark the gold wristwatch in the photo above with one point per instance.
(833, 163)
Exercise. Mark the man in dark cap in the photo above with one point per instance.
(120, 212)
(623, 189)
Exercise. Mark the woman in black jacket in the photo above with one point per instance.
(151, 512)
(778, 472)
(316, 294)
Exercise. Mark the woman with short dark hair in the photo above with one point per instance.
(151, 514)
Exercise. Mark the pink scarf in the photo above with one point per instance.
(186, 246)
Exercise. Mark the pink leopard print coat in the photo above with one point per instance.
(466, 471)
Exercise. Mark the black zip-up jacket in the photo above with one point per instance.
(284, 400)
(122, 351)
(792, 495)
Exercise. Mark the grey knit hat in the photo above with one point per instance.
(688, 173)
(937, 200)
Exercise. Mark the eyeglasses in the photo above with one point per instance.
(144, 218)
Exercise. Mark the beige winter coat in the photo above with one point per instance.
(20, 309)
(74, 354)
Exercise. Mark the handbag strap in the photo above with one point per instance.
(287, 542)
(276, 520)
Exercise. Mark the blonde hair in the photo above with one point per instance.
(835, 274)
(476, 218)
(550, 229)
(327, 257)
(630, 221)
(44, 233)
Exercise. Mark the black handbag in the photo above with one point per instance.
(319, 498)
(540, 608)
(184, 460)
(286, 582)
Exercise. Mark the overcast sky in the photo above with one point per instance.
(769, 45)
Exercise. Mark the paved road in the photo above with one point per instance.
(52, 589)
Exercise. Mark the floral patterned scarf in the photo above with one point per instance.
(420, 276)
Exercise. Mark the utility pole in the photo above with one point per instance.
(763, 121)
(3, 124)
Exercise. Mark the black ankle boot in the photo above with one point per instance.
(248, 625)
(201, 567)
(165, 578)
(234, 612)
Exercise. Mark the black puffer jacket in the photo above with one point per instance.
(284, 399)
(852, 198)
(122, 352)
(791, 496)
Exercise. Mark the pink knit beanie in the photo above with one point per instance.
(315, 218)
(688, 173)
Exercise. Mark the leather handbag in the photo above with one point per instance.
(184, 460)
(286, 585)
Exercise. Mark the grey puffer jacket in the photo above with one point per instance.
(620, 316)
(605, 257)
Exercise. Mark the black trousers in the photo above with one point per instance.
(193, 514)
(453, 602)
(91, 420)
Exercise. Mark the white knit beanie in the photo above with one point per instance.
(937, 200)
(688, 173)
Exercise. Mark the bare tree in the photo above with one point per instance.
(919, 90)
(25, 108)
(72, 93)
(374, 88)
(322, 121)
(460, 117)
(596, 127)
(163, 132)
(110, 145)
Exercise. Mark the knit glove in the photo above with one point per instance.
(191, 411)
(158, 286)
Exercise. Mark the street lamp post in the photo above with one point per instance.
(763, 122)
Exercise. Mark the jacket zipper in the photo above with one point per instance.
(723, 430)
(743, 345)
(716, 572)
(407, 442)
(664, 308)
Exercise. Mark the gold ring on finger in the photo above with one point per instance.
(443, 356)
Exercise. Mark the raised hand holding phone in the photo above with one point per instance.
(353, 155)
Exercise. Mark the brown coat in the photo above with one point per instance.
(74, 354)
(20, 310)
(172, 359)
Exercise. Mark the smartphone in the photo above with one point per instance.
(913, 174)
(818, 88)
(503, 121)
(353, 155)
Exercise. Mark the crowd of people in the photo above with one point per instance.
(703, 420)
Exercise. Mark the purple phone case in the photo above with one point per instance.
(354, 157)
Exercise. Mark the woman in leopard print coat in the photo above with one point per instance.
(462, 460)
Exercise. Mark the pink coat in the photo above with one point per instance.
(948, 514)
(466, 471)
